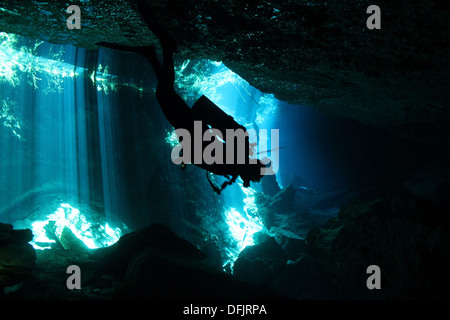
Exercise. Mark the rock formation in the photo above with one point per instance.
(314, 53)
(17, 256)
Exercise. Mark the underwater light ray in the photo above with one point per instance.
(109, 147)
(83, 139)
(242, 225)
(71, 137)
(21, 62)
(57, 129)
(243, 99)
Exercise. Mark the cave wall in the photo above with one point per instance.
(314, 53)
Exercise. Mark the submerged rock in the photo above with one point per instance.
(157, 236)
(70, 241)
(409, 241)
(17, 256)
(260, 263)
(155, 263)
(150, 263)
(269, 206)
(284, 200)
(305, 52)
(270, 185)
(292, 244)
(304, 279)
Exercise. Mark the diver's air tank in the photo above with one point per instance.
(208, 112)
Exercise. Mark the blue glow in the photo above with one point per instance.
(251, 108)
(171, 138)
(51, 141)
(242, 225)
(229, 91)
(66, 138)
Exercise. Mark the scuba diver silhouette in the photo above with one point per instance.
(181, 116)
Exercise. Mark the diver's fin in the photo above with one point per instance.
(116, 46)
(146, 13)
(216, 190)
(227, 183)
(144, 50)
(167, 41)
(148, 52)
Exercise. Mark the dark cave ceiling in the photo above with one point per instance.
(305, 52)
